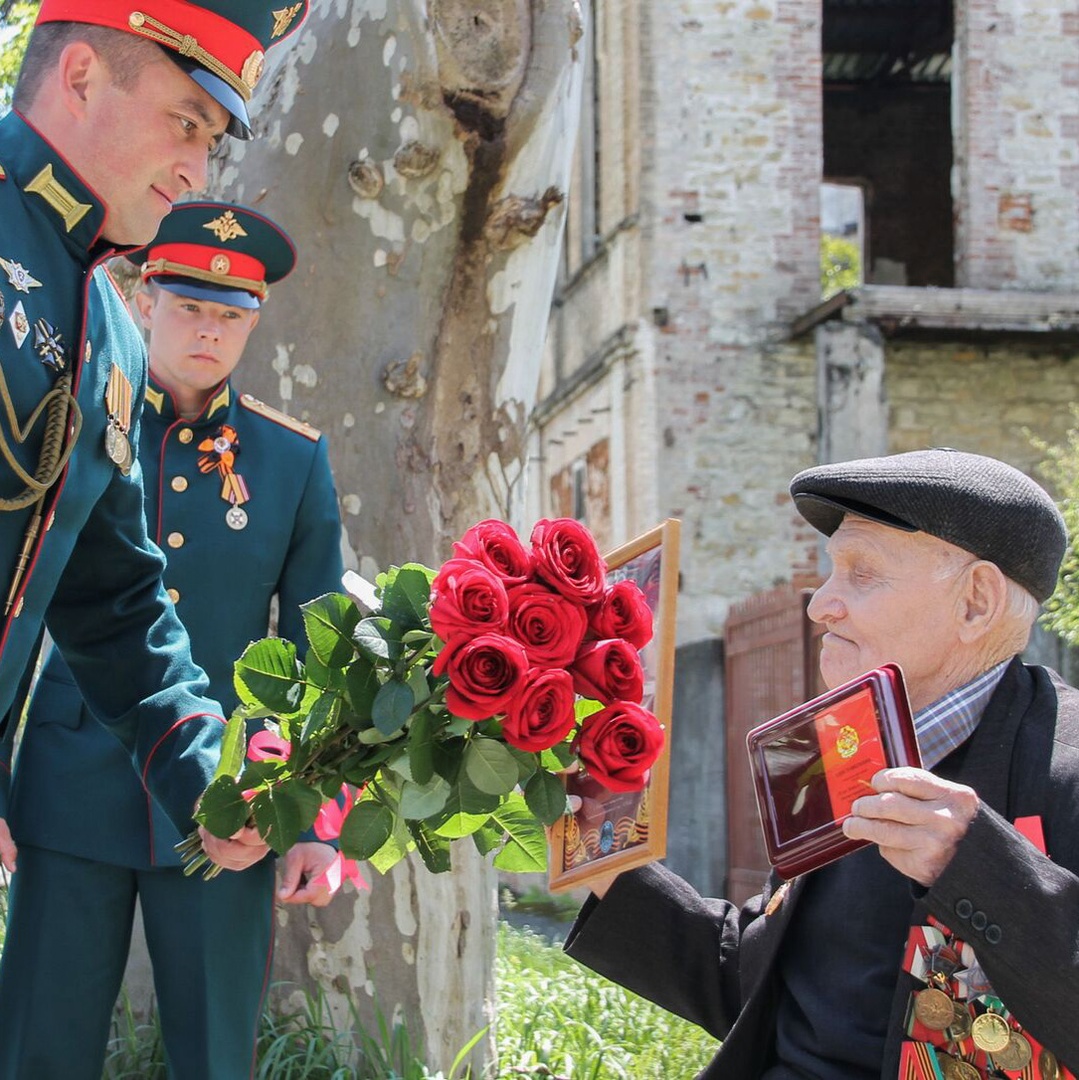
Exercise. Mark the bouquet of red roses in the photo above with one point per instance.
(447, 710)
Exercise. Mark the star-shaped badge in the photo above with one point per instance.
(19, 277)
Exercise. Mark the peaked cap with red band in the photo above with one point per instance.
(221, 44)
(217, 251)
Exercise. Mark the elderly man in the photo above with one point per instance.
(115, 112)
(967, 897)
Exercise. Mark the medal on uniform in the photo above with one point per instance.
(20, 324)
(118, 404)
(49, 345)
(219, 455)
(19, 277)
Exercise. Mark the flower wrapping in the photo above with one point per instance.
(445, 712)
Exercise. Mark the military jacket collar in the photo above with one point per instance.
(49, 184)
(161, 402)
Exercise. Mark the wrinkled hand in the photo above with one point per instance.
(304, 863)
(915, 818)
(241, 850)
(8, 850)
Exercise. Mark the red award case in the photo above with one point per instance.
(810, 764)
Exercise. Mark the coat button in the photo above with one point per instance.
(978, 920)
(176, 540)
(174, 595)
(964, 908)
(993, 934)
(185, 435)
(179, 483)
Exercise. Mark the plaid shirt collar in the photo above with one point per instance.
(946, 724)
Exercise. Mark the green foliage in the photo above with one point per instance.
(1061, 469)
(840, 265)
(16, 22)
(365, 709)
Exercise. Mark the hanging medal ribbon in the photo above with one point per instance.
(219, 455)
(118, 396)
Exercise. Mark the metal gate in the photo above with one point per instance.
(771, 650)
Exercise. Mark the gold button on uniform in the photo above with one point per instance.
(186, 435)
(174, 595)
(176, 540)
(179, 483)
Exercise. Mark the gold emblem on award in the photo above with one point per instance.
(220, 264)
(934, 1009)
(847, 743)
(990, 1032)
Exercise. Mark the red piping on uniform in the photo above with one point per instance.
(172, 728)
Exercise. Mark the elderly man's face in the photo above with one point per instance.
(892, 597)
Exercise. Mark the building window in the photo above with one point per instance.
(843, 240)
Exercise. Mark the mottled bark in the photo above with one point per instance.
(418, 154)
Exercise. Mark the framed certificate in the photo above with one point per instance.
(618, 830)
(811, 763)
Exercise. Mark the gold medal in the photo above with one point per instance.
(1047, 1065)
(1016, 1056)
(118, 396)
(961, 1070)
(960, 1025)
(934, 1009)
(990, 1032)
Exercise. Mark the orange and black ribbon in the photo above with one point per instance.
(219, 455)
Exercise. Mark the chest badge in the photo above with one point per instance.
(118, 404)
(49, 344)
(20, 278)
(218, 455)
(20, 324)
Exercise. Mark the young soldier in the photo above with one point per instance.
(241, 498)
(115, 112)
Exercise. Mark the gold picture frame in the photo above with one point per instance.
(615, 831)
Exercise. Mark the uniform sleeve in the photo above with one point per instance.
(117, 629)
(314, 564)
(655, 935)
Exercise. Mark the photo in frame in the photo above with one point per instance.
(615, 831)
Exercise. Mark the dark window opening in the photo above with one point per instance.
(887, 130)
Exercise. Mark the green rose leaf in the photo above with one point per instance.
(377, 638)
(285, 811)
(421, 746)
(394, 850)
(368, 826)
(329, 621)
(446, 754)
(557, 757)
(488, 837)
(361, 682)
(434, 850)
(456, 825)
(222, 808)
(546, 797)
(417, 681)
(405, 596)
(269, 674)
(419, 801)
(491, 767)
(323, 715)
(583, 707)
(392, 706)
(526, 763)
(526, 841)
(233, 747)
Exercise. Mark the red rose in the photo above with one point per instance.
(542, 714)
(568, 560)
(623, 613)
(496, 545)
(467, 598)
(486, 673)
(608, 671)
(619, 744)
(550, 627)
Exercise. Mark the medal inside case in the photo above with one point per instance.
(811, 763)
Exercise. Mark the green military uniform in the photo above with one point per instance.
(242, 500)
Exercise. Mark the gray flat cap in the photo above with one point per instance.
(977, 503)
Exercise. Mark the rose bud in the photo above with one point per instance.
(467, 599)
(497, 546)
(486, 673)
(619, 744)
(542, 715)
(608, 671)
(622, 613)
(568, 560)
(550, 627)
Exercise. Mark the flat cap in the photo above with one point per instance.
(977, 503)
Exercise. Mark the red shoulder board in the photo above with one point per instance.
(260, 408)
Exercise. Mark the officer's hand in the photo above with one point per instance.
(238, 852)
(304, 864)
(915, 818)
(8, 850)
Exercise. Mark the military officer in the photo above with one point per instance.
(116, 108)
(240, 498)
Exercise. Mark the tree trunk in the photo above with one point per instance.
(418, 154)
